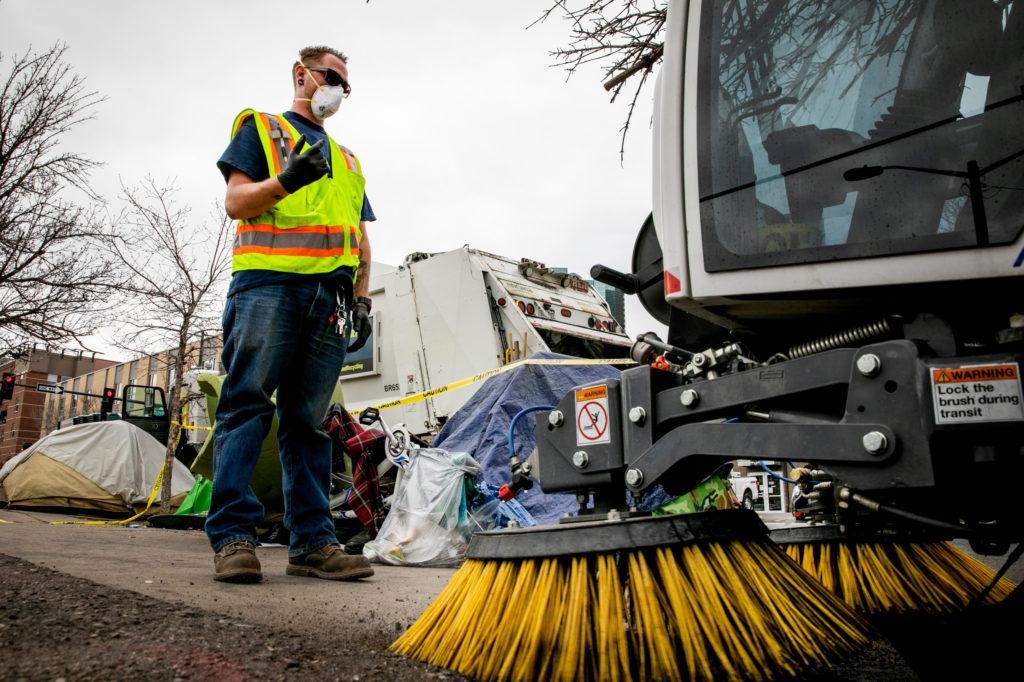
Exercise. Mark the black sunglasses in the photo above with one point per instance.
(332, 77)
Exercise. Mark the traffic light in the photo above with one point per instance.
(7, 386)
(107, 404)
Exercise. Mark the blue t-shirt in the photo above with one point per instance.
(245, 153)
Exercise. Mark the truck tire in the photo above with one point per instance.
(748, 500)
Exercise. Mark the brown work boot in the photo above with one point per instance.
(330, 563)
(237, 563)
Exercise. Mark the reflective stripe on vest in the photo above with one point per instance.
(309, 240)
(312, 231)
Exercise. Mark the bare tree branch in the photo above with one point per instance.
(624, 36)
(175, 274)
(759, 43)
(54, 275)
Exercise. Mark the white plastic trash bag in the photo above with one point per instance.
(428, 522)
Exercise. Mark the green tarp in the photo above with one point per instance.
(198, 499)
(712, 493)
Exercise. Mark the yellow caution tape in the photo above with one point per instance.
(407, 400)
(459, 383)
(193, 428)
(149, 503)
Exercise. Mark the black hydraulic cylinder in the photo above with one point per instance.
(626, 283)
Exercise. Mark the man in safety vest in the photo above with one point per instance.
(301, 266)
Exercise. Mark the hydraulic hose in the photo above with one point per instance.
(773, 474)
(874, 506)
(515, 420)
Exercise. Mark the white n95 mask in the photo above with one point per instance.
(326, 100)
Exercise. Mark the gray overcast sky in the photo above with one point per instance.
(466, 134)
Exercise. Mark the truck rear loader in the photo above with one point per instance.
(445, 316)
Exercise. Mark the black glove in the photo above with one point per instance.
(361, 325)
(302, 169)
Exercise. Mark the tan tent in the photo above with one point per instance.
(103, 466)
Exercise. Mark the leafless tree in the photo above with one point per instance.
(52, 278)
(626, 38)
(623, 36)
(176, 271)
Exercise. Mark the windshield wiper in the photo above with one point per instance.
(868, 147)
(972, 175)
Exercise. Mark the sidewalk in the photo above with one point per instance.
(177, 566)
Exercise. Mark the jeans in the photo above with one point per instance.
(276, 337)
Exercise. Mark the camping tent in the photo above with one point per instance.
(102, 466)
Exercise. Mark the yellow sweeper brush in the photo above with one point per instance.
(891, 577)
(683, 597)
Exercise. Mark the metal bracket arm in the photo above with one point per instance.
(843, 443)
(734, 390)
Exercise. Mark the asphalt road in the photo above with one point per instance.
(54, 626)
(100, 602)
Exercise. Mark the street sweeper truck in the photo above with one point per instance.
(836, 246)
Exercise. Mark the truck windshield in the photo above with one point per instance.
(793, 93)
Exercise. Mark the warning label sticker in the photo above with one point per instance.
(592, 416)
(980, 393)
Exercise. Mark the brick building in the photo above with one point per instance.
(34, 364)
(149, 370)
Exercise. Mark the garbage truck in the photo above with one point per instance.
(441, 317)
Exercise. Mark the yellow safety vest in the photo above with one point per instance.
(312, 231)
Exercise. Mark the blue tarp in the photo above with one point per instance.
(480, 427)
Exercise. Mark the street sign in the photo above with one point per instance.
(49, 388)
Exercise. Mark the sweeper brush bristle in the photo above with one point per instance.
(707, 610)
(887, 578)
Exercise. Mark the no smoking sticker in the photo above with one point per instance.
(980, 393)
(592, 416)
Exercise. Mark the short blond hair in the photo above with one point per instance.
(317, 51)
